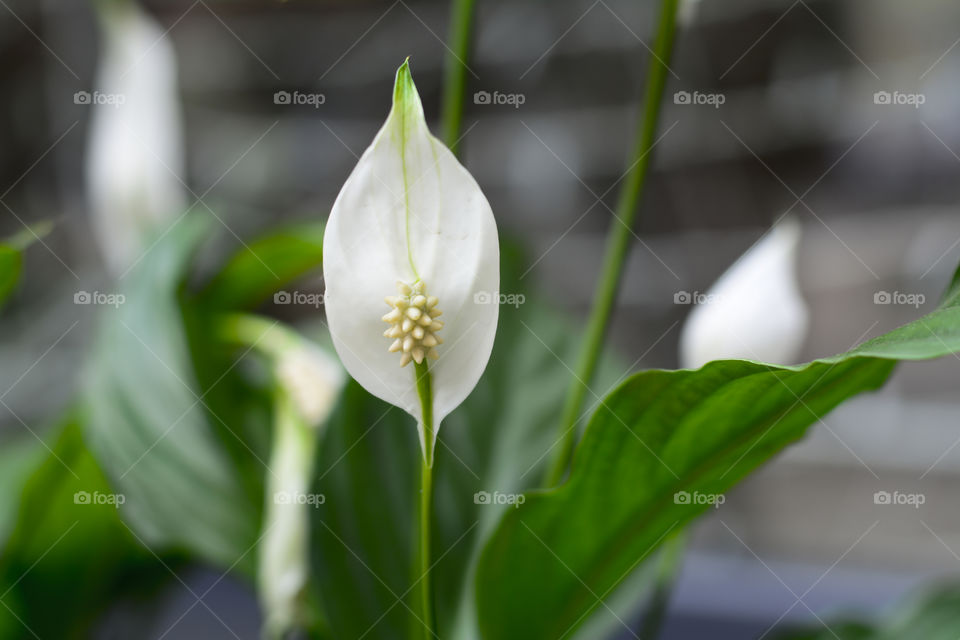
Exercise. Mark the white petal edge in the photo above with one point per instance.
(755, 310)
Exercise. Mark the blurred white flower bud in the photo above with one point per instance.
(309, 383)
(134, 156)
(755, 310)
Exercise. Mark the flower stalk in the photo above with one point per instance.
(618, 242)
(455, 71)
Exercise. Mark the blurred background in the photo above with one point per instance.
(842, 114)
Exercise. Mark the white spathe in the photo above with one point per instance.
(310, 381)
(313, 380)
(410, 212)
(135, 152)
(755, 310)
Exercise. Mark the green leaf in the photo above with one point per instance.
(361, 536)
(18, 460)
(11, 265)
(11, 256)
(552, 561)
(59, 543)
(148, 422)
(254, 273)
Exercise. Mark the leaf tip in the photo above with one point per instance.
(405, 96)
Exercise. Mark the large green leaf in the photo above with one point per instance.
(148, 421)
(557, 557)
(255, 272)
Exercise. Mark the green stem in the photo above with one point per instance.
(455, 71)
(425, 392)
(618, 241)
(671, 556)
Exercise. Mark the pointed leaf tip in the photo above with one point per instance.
(405, 96)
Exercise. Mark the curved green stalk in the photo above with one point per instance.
(671, 557)
(455, 71)
(425, 391)
(618, 242)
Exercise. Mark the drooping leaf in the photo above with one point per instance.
(660, 436)
(148, 423)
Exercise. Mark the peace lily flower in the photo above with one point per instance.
(308, 383)
(411, 264)
(755, 310)
(135, 151)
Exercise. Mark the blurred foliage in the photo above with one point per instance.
(147, 422)
(11, 257)
(933, 615)
(253, 274)
(11, 263)
(68, 557)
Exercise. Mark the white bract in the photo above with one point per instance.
(411, 236)
(309, 382)
(755, 310)
(135, 151)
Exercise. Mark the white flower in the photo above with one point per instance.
(135, 155)
(309, 383)
(412, 229)
(754, 311)
(313, 381)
